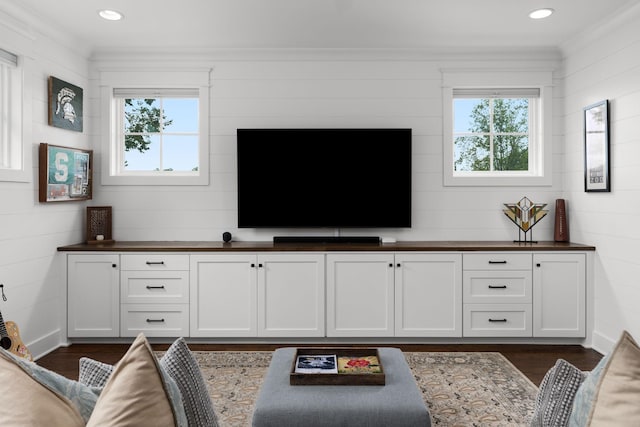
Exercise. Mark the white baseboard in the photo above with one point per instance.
(602, 344)
(46, 344)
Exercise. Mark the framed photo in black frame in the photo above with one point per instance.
(596, 147)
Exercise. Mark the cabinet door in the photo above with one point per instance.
(222, 295)
(360, 295)
(428, 295)
(559, 295)
(93, 295)
(291, 295)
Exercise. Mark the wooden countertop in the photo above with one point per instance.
(422, 246)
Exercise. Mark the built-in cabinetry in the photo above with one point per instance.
(559, 295)
(524, 294)
(385, 295)
(328, 293)
(266, 295)
(154, 295)
(93, 289)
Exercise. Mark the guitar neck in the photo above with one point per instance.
(3, 327)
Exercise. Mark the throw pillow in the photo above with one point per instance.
(94, 373)
(138, 393)
(555, 397)
(35, 396)
(584, 396)
(616, 401)
(609, 394)
(180, 364)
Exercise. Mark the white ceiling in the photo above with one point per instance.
(329, 24)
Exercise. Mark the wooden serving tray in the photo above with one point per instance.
(346, 378)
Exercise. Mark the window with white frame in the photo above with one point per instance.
(497, 135)
(157, 131)
(12, 156)
(156, 135)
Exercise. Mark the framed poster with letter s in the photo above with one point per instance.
(65, 174)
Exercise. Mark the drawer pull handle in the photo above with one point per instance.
(155, 287)
(155, 263)
(497, 320)
(497, 262)
(155, 320)
(497, 286)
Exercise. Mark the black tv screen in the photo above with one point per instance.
(324, 178)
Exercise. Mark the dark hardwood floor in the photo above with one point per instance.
(533, 360)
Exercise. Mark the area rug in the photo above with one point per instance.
(459, 388)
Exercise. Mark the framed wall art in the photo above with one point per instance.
(65, 174)
(596, 147)
(65, 105)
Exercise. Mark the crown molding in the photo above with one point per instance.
(627, 15)
(551, 54)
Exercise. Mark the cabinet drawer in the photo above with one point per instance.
(496, 261)
(497, 320)
(154, 262)
(497, 287)
(154, 287)
(155, 320)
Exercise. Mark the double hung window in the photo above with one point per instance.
(496, 135)
(13, 165)
(157, 132)
(155, 127)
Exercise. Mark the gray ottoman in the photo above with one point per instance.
(396, 404)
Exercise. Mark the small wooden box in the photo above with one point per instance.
(296, 378)
(99, 223)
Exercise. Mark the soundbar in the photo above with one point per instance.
(327, 239)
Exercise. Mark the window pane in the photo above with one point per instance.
(511, 115)
(181, 115)
(471, 153)
(511, 153)
(141, 115)
(147, 160)
(470, 115)
(180, 153)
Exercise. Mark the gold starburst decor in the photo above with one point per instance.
(525, 214)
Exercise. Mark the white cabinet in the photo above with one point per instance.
(93, 303)
(387, 294)
(360, 295)
(270, 295)
(326, 294)
(154, 293)
(291, 295)
(223, 295)
(559, 295)
(497, 295)
(428, 295)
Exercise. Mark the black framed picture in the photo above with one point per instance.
(596, 147)
(65, 105)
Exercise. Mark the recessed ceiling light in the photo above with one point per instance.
(540, 13)
(110, 15)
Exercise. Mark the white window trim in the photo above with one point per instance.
(149, 79)
(16, 131)
(479, 79)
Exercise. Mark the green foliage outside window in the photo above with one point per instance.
(497, 137)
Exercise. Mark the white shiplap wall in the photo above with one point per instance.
(604, 63)
(30, 267)
(328, 89)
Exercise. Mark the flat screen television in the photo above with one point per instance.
(337, 178)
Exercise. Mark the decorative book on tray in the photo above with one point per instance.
(337, 366)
